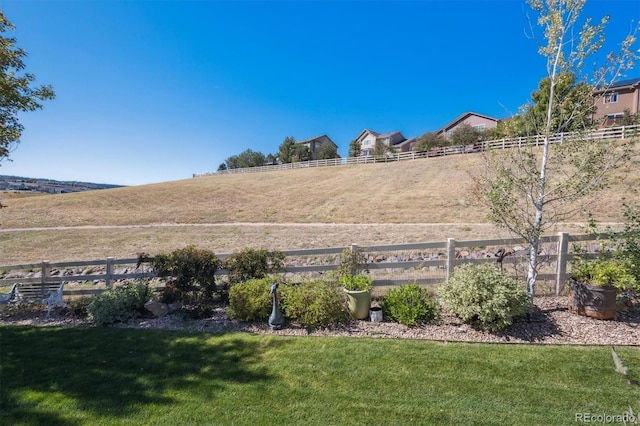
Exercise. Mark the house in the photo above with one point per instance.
(614, 100)
(314, 144)
(477, 121)
(368, 139)
(407, 145)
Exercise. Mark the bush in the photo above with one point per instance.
(120, 303)
(358, 282)
(252, 263)
(251, 300)
(77, 306)
(352, 262)
(189, 271)
(484, 295)
(409, 304)
(314, 304)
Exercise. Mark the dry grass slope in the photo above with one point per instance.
(434, 193)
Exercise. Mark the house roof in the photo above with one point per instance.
(464, 117)
(628, 83)
(376, 134)
(405, 142)
(624, 83)
(389, 134)
(327, 138)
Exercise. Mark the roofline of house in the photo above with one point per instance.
(461, 118)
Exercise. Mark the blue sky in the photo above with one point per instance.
(154, 91)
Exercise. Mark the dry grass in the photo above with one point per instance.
(367, 204)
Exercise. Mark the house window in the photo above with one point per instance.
(479, 126)
(612, 119)
(367, 143)
(611, 98)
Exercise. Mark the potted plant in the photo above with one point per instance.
(595, 285)
(358, 289)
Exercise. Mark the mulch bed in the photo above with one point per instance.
(550, 322)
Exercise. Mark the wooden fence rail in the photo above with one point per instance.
(389, 265)
(621, 132)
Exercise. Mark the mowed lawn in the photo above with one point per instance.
(77, 376)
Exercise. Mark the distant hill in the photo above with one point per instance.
(48, 186)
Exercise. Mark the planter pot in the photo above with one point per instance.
(375, 314)
(359, 303)
(592, 301)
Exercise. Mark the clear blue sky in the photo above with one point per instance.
(154, 91)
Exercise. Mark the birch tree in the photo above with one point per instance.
(528, 189)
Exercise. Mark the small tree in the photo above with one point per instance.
(428, 141)
(380, 149)
(354, 148)
(286, 150)
(574, 105)
(528, 189)
(464, 135)
(301, 152)
(327, 151)
(16, 92)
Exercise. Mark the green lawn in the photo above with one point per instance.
(78, 376)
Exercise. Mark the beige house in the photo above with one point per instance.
(314, 144)
(477, 121)
(368, 139)
(611, 103)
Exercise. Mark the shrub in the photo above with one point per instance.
(484, 295)
(252, 263)
(314, 303)
(189, 271)
(251, 300)
(77, 306)
(352, 262)
(120, 303)
(409, 304)
(358, 282)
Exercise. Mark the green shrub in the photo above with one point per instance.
(252, 263)
(358, 282)
(120, 303)
(77, 306)
(409, 304)
(189, 271)
(251, 300)
(314, 303)
(484, 295)
(352, 262)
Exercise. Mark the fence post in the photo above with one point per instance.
(108, 272)
(451, 256)
(46, 273)
(563, 255)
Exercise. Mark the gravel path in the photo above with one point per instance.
(549, 323)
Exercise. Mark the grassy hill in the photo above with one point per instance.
(368, 204)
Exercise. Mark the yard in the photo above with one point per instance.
(88, 375)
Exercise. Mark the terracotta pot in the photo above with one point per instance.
(592, 301)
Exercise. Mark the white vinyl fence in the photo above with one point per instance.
(621, 132)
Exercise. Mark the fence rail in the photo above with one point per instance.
(390, 265)
(620, 132)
